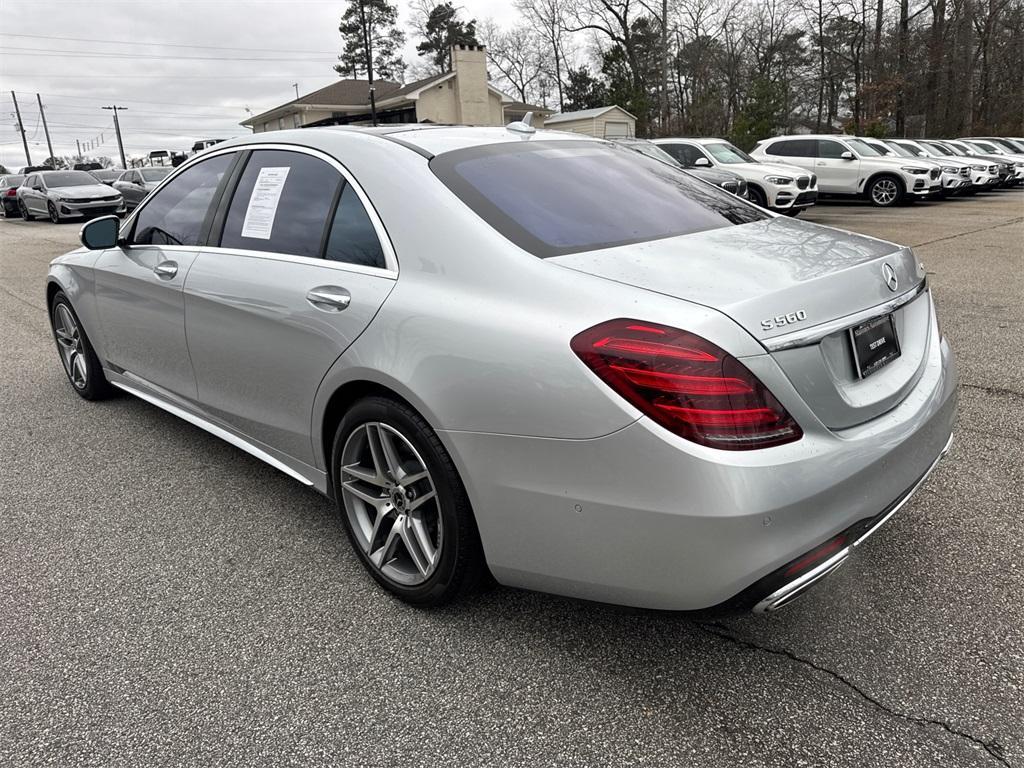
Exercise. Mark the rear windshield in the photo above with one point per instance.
(68, 179)
(554, 198)
(13, 181)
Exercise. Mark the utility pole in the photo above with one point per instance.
(296, 87)
(21, 127)
(78, 144)
(49, 144)
(368, 48)
(117, 130)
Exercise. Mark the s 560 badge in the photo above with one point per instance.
(780, 321)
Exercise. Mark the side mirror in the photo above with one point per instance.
(702, 162)
(100, 233)
(847, 155)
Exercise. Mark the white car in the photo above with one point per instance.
(847, 166)
(60, 195)
(953, 177)
(778, 186)
(981, 175)
(992, 147)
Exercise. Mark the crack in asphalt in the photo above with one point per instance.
(995, 390)
(1009, 223)
(993, 748)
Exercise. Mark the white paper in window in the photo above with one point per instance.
(266, 194)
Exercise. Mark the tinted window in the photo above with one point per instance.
(686, 154)
(830, 149)
(176, 214)
(552, 198)
(153, 174)
(353, 238)
(282, 204)
(794, 148)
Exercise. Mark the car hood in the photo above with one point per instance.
(85, 190)
(904, 162)
(756, 271)
(714, 175)
(768, 169)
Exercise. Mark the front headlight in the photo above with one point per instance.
(65, 199)
(978, 167)
(913, 171)
(779, 180)
(948, 169)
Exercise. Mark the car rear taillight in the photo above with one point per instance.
(686, 384)
(12, 191)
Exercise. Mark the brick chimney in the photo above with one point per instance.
(469, 62)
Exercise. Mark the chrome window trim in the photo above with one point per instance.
(390, 257)
(341, 266)
(813, 335)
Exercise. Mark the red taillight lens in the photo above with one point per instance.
(12, 191)
(686, 384)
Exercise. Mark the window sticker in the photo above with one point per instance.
(266, 194)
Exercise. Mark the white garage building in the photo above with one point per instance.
(601, 122)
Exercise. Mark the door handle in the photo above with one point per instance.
(166, 269)
(329, 298)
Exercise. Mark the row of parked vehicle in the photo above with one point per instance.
(60, 195)
(788, 174)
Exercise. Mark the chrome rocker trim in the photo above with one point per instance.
(794, 589)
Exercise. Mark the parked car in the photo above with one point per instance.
(107, 175)
(135, 184)
(990, 168)
(952, 178)
(663, 397)
(9, 193)
(848, 167)
(63, 195)
(727, 180)
(33, 168)
(993, 148)
(202, 144)
(781, 188)
(981, 174)
(1004, 167)
(86, 167)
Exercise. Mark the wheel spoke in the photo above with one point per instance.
(384, 555)
(418, 545)
(414, 477)
(390, 454)
(374, 500)
(419, 501)
(380, 464)
(365, 475)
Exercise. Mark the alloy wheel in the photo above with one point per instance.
(884, 192)
(52, 210)
(69, 343)
(23, 210)
(392, 503)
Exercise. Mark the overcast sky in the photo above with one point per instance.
(194, 68)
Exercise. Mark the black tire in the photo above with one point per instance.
(52, 210)
(885, 191)
(96, 386)
(794, 212)
(460, 562)
(23, 210)
(756, 196)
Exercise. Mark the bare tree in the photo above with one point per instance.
(518, 56)
(549, 20)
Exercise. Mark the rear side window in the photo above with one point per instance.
(282, 204)
(554, 198)
(175, 215)
(793, 148)
(353, 238)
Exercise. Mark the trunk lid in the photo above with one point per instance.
(779, 278)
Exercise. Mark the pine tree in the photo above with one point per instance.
(371, 41)
(443, 30)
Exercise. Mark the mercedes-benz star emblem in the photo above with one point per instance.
(889, 275)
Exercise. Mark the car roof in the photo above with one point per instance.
(695, 139)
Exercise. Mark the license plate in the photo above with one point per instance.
(874, 345)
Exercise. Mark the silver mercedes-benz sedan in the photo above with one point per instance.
(524, 352)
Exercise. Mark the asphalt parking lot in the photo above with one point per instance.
(167, 600)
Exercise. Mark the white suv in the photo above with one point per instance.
(981, 174)
(847, 166)
(780, 187)
(953, 177)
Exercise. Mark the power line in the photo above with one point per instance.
(96, 75)
(157, 43)
(138, 101)
(56, 53)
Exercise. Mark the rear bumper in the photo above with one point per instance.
(643, 518)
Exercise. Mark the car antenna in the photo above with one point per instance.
(522, 126)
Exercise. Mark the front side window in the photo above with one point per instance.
(554, 198)
(282, 204)
(686, 154)
(831, 150)
(727, 154)
(176, 214)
